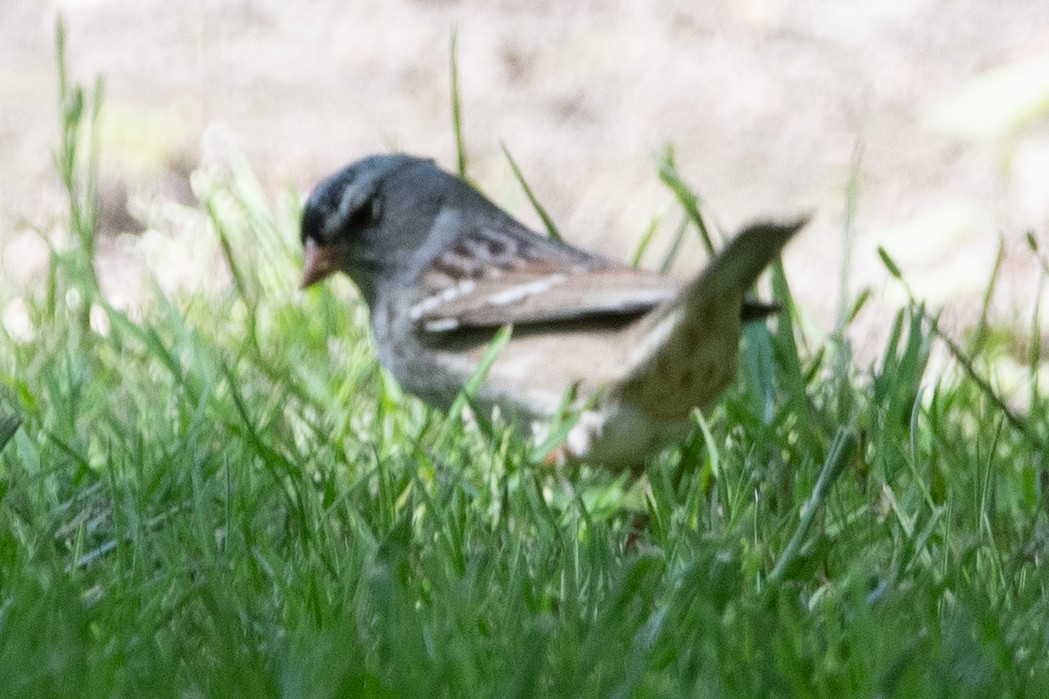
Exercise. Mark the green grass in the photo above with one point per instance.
(227, 497)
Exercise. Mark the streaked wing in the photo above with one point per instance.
(498, 274)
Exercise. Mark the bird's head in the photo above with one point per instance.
(355, 222)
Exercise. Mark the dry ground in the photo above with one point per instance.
(768, 103)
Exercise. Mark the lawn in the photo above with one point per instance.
(224, 495)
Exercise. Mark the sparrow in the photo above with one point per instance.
(442, 269)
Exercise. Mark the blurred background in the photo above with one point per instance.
(924, 123)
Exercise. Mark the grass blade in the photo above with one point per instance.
(841, 450)
(548, 222)
(457, 106)
(9, 424)
(688, 199)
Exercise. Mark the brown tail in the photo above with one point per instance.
(685, 351)
(738, 266)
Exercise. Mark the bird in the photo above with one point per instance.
(442, 269)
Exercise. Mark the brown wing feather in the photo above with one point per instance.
(493, 276)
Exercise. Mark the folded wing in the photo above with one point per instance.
(504, 274)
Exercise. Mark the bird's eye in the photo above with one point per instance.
(364, 216)
(358, 219)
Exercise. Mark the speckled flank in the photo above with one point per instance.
(692, 368)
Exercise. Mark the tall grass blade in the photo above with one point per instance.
(687, 198)
(457, 106)
(548, 222)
